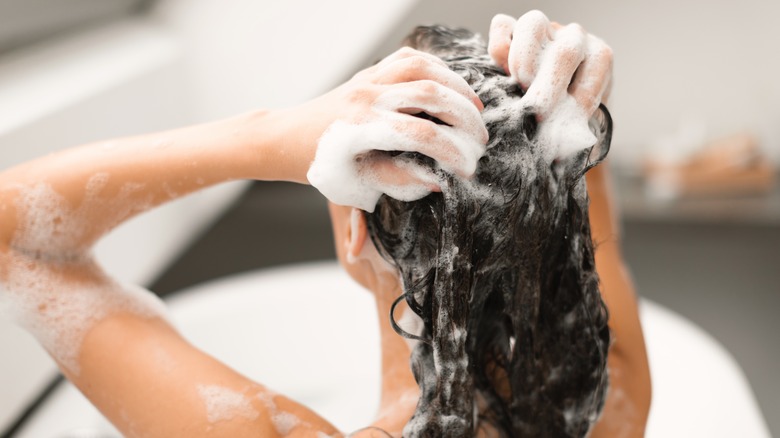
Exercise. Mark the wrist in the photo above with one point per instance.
(274, 144)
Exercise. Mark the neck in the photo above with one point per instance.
(397, 378)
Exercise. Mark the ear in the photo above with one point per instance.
(357, 232)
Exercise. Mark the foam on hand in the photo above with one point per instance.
(544, 64)
(339, 173)
(349, 169)
(563, 127)
(565, 130)
(562, 131)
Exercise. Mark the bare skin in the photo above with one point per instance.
(628, 400)
(163, 397)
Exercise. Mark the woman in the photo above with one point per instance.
(113, 341)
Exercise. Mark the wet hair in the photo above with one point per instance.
(500, 269)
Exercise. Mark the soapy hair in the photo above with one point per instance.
(500, 269)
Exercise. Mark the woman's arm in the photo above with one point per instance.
(113, 340)
(628, 399)
(86, 191)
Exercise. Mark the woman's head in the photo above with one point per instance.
(500, 269)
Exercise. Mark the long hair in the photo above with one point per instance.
(500, 269)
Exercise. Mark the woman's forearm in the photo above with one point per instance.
(60, 204)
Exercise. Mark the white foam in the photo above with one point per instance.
(50, 226)
(40, 290)
(96, 183)
(45, 221)
(336, 171)
(563, 126)
(570, 414)
(284, 422)
(267, 398)
(341, 173)
(225, 404)
(59, 311)
(564, 130)
(411, 323)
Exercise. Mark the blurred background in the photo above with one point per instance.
(696, 146)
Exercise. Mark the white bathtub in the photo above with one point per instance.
(310, 332)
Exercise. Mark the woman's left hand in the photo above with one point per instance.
(550, 60)
(346, 138)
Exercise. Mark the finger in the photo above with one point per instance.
(451, 149)
(408, 52)
(593, 78)
(399, 177)
(500, 38)
(564, 55)
(530, 36)
(418, 68)
(434, 99)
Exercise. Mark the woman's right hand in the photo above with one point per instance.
(343, 133)
(549, 60)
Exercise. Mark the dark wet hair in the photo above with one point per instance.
(500, 269)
